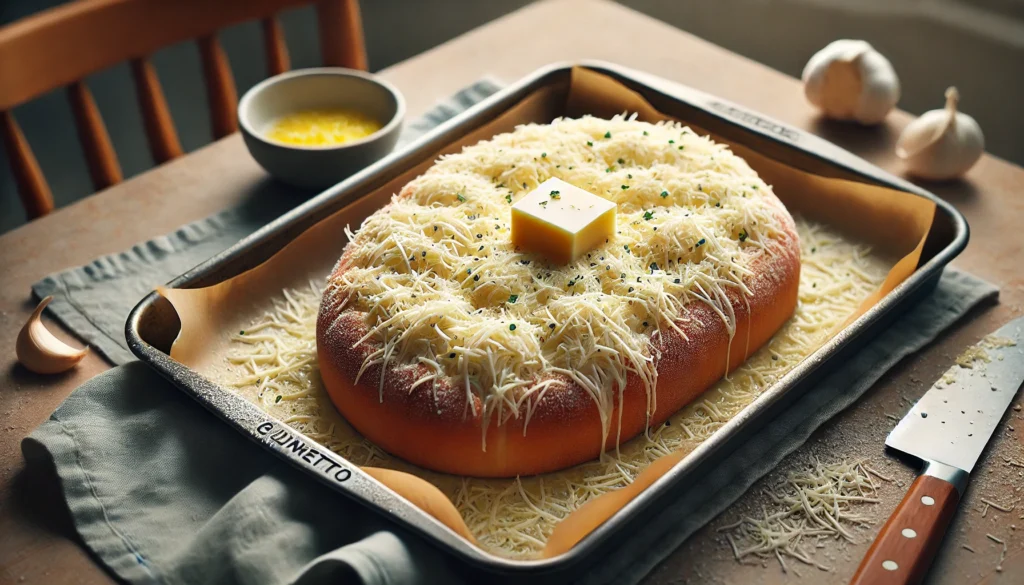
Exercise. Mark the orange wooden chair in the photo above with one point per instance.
(61, 46)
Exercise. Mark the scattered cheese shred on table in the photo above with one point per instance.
(810, 506)
(513, 518)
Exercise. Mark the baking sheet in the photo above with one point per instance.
(891, 220)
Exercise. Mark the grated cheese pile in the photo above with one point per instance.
(440, 284)
(276, 356)
(810, 506)
(975, 354)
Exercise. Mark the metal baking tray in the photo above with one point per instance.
(153, 324)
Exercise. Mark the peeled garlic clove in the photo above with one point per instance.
(941, 144)
(850, 80)
(40, 351)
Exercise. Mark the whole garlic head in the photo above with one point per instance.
(941, 144)
(850, 80)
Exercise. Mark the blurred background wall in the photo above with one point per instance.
(977, 45)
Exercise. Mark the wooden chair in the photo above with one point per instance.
(60, 47)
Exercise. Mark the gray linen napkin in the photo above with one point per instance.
(162, 492)
(94, 300)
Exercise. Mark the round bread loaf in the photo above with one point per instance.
(446, 346)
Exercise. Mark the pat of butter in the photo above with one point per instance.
(561, 221)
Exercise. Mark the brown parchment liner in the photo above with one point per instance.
(893, 222)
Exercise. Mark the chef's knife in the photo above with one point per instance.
(947, 430)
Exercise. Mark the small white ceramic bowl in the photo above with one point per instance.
(321, 88)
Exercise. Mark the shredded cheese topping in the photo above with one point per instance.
(276, 356)
(441, 286)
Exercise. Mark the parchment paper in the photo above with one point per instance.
(893, 222)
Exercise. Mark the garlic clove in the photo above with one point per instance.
(850, 80)
(941, 144)
(41, 351)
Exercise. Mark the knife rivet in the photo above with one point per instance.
(928, 500)
(890, 565)
(909, 533)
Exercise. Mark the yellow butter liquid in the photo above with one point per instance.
(322, 127)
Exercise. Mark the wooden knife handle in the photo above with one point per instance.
(904, 549)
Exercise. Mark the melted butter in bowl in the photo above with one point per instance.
(316, 127)
(328, 127)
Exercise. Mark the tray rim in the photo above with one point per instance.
(326, 203)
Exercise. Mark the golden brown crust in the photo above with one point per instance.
(435, 428)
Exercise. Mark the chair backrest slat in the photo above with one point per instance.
(220, 86)
(92, 133)
(35, 193)
(156, 116)
(341, 34)
(276, 48)
(62, 46)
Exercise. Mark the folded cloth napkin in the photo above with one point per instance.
(163, 492)
(94, 300)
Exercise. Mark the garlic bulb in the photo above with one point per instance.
(941, 144)
(850, 80)
(40, 351)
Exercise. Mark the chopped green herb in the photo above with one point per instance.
(508, 198)
(242, 332)
(556, 195)
(543, 155)
(624, 187)
(278, 399)
(608, 134)
(590, 143)
(551, 325)
(700, 242)
(512, 327)
(543, 204)
(452, 355)
(744, 235)
(648, 215)
(469, 271)
(460, 197)
(645, 132)
(621, 161)
(512, 299)
(625, 247)
(671, 141)
(654, 266)
(680, 147)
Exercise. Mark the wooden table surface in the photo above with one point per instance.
(37, 542)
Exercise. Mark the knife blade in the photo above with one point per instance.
(947, 429)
